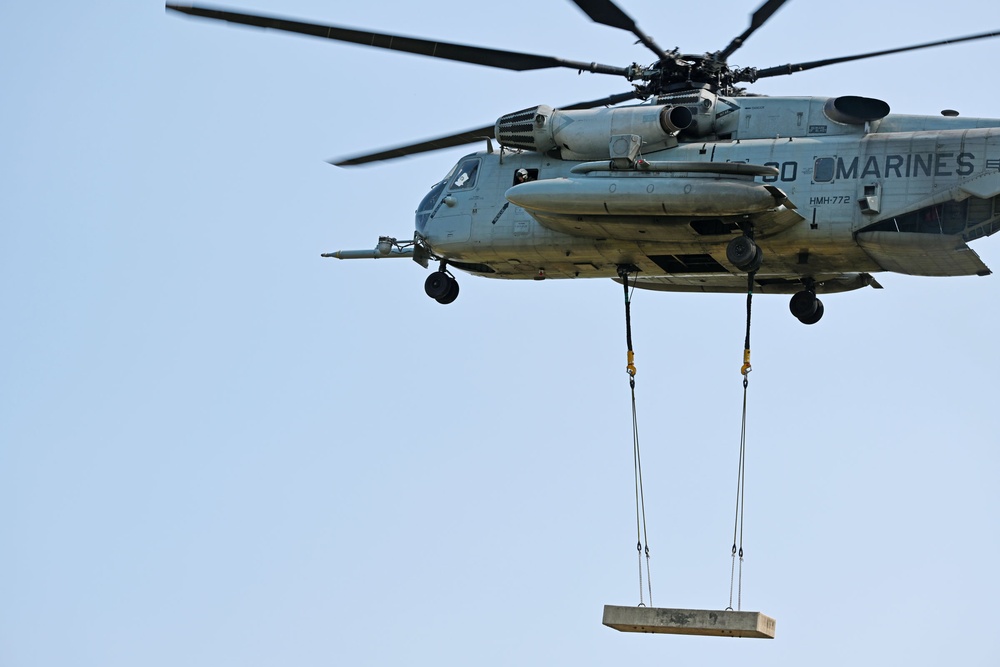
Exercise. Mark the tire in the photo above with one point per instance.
(803, 305)
(741, 252)
(437, 285)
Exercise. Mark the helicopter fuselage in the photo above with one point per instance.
(828, 203)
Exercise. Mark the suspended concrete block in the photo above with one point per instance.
(710, 623)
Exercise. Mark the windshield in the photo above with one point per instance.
(426, 206)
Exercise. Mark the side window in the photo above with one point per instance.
(465, 176)
(823, 170)
(524, 175)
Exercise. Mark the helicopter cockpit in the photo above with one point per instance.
(461, 177)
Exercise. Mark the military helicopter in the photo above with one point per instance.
(699, 187)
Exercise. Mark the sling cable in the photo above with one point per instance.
(729, 622)
(642, 542)
(741, 475)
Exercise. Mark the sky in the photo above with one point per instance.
(218, 448)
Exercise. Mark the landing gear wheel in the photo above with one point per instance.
(744, 254)
(438, 284)
(805, 307)
(803, 304)
(452, 293)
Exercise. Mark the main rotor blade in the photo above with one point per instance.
(608, 101)
(759, 18)
(461, 138)
(608, 13)
(801, 67)
(511, 60)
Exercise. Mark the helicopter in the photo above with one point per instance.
(700, 186)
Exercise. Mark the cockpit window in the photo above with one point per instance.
(427, 203)
(426, 206)
(465, 176)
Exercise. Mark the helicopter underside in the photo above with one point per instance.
(681, 266)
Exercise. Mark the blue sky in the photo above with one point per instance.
(217, 448)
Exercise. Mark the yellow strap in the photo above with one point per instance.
(631, 363)
(746, 362)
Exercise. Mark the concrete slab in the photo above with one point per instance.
(712, 623)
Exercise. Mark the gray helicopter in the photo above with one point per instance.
(700, 187)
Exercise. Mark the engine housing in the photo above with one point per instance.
(583, 134)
